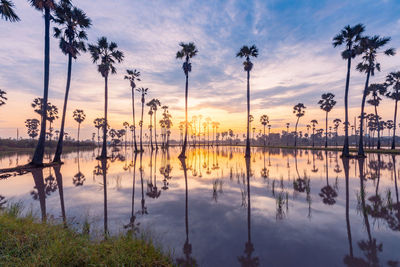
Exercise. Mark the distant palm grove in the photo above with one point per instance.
(151, 124)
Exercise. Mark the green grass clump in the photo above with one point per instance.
(25, 242)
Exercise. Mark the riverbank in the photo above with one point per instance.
(26, 242)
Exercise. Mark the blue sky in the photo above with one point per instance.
(296, 64)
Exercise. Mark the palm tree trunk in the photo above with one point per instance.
(379, 128)
(151, 132)
(326, 130)
(394, 127)
(361, 141)
(98, 136)
(39, 151)
(141, 126)
(155, 128)
(79, 130)
(313, 135)
(247, 154)
(57, 155)
(295, 132)
(345, 151)
(346, 171)
(133, 117)
(264, 136)
(183, 153)
(104, 148)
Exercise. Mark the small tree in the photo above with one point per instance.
(79, 117)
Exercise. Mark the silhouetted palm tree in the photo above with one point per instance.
(3, 97)
(376, 89)
(71, 32)
(151, 127)
(248, 52)
(370, 47)
(126, 126)
(187, 52)
(46, 6)
(154, 104)
(132, 76)
(98, 123)
(32, 125)
(79, 117)
(349, 36)
(143, 92)
(336, 122)
(264, 121)
(327, 103)
(7, 11)
(107, 55)
(393, 82)
(299, 111)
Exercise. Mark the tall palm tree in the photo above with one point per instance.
(348, 36)
(7, 11)
(375, 90)
(327, 103)
(143, 92)
(79, 117)
(370, 47)
(393, 87)
(72, 23)
(187, 52)
(43, 6)
(107, 55)
(299, 111)
(247, 52)
(133, 75)
(154, 104)
(264, 121)
(151, 127)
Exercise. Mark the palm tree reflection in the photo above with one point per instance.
(59, 180)
(188, 260)
(39, 191)
(247, 259)
(79, 177)
(131, 224)
(328, 193)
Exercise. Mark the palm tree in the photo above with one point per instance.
(188, 51)
(376, 89)
(32, 125)
(46, 6)
(314, 123)
(132, 76)
(79, 117)
(370, 47)
(7, 11)
(336, 122)
(327, 103)
(287, 133)
(126, 126)
(349, 36)
(3, 97)
(107, 55)
(154, 104)
(393, 82)
(151, 127)
(73, 23)
(98, 123)
(264, 121)
(299, 111)
(248, 52)
(143, 92)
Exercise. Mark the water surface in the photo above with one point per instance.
(280, 208)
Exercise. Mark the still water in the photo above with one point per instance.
(280, 208)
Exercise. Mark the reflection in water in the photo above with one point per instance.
(293, 201)
(248, 259)
(59, 180)
(79, 177)
(188, 260)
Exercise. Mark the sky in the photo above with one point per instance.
(296, 62)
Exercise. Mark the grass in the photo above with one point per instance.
(26, 242)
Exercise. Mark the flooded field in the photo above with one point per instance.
(217, 208)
